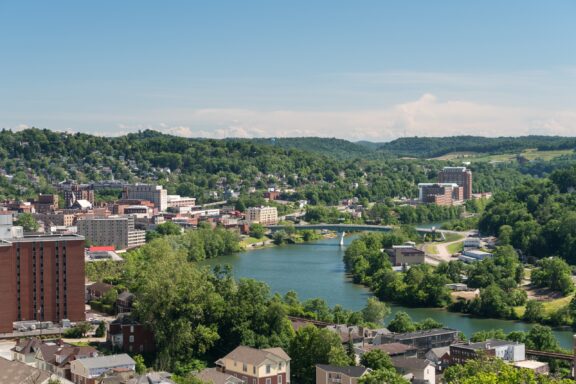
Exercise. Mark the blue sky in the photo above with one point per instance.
(372, 70)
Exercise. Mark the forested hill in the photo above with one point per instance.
(323, 145)
(427, 147)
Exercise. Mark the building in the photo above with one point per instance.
(457, 175)
(128, 335)
(331, 374)
(25, 350)
(55, 219)
(538, 367)
(257, 366)
(440, 193)
(46, 203)
(440, 357)
(42, 279)
(416, 370)
(214, 376)
(177, 201)
(118, 231)
(74, 192)
(98, 290)
(262, 215)
(154, 193)
(55, 357)
(405, 255)
(124, 302)
(391, 349)
(506, 350)
(16, 372)
(86, 371)
(473, 255)
(424, 340)
(7, 229)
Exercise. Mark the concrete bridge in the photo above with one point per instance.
(343, 228)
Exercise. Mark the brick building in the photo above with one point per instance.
(128, 335)
(457, 175)
(41, 278)
(441, 193)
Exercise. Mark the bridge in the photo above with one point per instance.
(343, 228)
(552, 355)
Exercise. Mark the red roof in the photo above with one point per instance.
(106, 248)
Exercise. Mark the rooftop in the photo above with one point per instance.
(410, 363)
(15, 372)
(256, 356)
(351, 371)
(484, 345)
(106, 361)
(425, 333)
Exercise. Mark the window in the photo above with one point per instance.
(253, 381)
(131, 338)
(254, 369)
(268, 381)
(279, 379)
(131, 329)
(244, 367)
(267, 368)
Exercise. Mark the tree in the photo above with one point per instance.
(375, 311)
(338, 357)
(534, 311)
(257, 230)
(554, 273)
(140, 366)
(84, 327)
(376, 359)
(311, 346)
(27, 222)
(383, 376)
(402, 323)
(100, 330)
(168, 228)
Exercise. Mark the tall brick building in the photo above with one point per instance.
(41, 278)
(460, 176)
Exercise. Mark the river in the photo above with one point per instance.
(316, 269)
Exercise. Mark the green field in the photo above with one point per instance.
(529, 154)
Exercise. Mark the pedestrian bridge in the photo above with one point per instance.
(343, 228)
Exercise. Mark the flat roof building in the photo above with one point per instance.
(154, 193)
(458, 175)
(118, 231)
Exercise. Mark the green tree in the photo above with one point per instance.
(311, 346)
(168, 228)
(401, 323)
(140, 365)
(27, 222)
(534, 311)
(380, 376)
(376, 359)
(338, 357)
(100, 330)
(257, 230)
(375, 311)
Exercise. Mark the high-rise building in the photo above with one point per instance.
(154, 193)
(440, 193)
(118, 231)
(41, 278)
(460, 176)
(262, 215)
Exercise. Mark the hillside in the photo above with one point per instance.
(323, 145)
(429, 147)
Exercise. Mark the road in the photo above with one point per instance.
(443, 255)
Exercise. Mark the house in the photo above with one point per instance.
(257, 366)
(55, 357)
(440, 357)
(97, 291)
(128, 335)
(424, 340)
(124, 302)
(503, 349)
(86, 371)
(405, 255)
(416, 370)
(25, 350)
(17, 372)
(214, 376)
(538, 367)
(330, 374)
(347, 333)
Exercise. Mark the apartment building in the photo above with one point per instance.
(154, 193)
(118, 231)
(41, 278)
(457, 175)
(506, 350)
(262, 215)
(440, 193)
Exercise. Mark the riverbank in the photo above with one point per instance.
(315, 269)
(252, 243)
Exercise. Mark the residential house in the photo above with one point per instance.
(128, 335)
(440, 357)
(97, 291)
(17, 372)
(124, 302)
(330, 374)
(416, 370)
(538, 367)
(257, 366)
(25, 350)
(55, 357)
(214, 376)
(86, 371)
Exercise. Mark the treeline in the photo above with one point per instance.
(437, 146)
(538, 217)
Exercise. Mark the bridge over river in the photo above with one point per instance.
(343, 228)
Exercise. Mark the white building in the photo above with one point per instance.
(118, 231)
(176, 201)
(473, 255)
(262, 215)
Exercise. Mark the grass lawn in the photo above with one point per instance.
(431, 249)
(530, 154)
(251, 240)
(453, 237)
(455, 248)
(550, 306)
